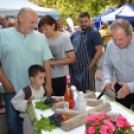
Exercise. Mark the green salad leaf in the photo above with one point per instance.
(43, 124)
(31, 112)
(40, 105)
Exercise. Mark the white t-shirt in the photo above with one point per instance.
(20, 104)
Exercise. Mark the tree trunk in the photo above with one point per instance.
(129, 1)
(122, 2)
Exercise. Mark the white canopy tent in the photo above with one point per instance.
(12, 7)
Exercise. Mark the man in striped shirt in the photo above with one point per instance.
(87, 44)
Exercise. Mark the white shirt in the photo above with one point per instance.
(121, 61)
(20, 104)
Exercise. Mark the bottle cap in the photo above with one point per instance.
(67, 78)
(73, 88)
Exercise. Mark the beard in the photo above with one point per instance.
(84, 28)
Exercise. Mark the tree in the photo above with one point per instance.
(72, 8)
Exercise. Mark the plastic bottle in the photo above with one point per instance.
(74, 91)
(69, 102)
(80, 102)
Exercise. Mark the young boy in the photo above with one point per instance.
(25, 96)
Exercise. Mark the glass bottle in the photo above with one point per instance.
(68, 96)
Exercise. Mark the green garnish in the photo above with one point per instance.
(40, 105)
(31, 112)
(43, 124)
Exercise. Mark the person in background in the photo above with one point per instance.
(92, 24)
(0, 22)
(4, 21)
(40, 27)
(11, 23)
(106, 34)
(60, 27)
(101, 29)
(21, 47)
(87, 45)
(24, 97)
(77, 28)
(62, 51)
(119, 58)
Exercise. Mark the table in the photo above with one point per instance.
(116, 108)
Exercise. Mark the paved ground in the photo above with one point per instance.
(3, 126)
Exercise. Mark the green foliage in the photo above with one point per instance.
(43, 124)
(40, 105)
(72, 8)
(130, 131)
(31, 112)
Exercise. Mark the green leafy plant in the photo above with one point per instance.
(43, 124)
(40, 105)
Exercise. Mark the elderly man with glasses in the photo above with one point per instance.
(119, 58)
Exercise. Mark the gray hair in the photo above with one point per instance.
(4, 16)
(105, 22)
(123, 24)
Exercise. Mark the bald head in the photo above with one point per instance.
(92, 23)
(26, 12)
(27, 20)
(105, 24)
(11, 23)
(3, 21)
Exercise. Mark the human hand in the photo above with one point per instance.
(124, 91)
(30, 99)
(90, 67)
(8, 87)
(49, 89)
(103, 36)
(105, 86)
(52, 62)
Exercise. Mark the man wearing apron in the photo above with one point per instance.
(87, 45)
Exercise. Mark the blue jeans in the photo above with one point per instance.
(14, 122)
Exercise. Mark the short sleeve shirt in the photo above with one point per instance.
(18, 53)
(106, 39)
(93, 39)
(59, 47)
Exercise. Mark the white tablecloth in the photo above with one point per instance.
(116, 108)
